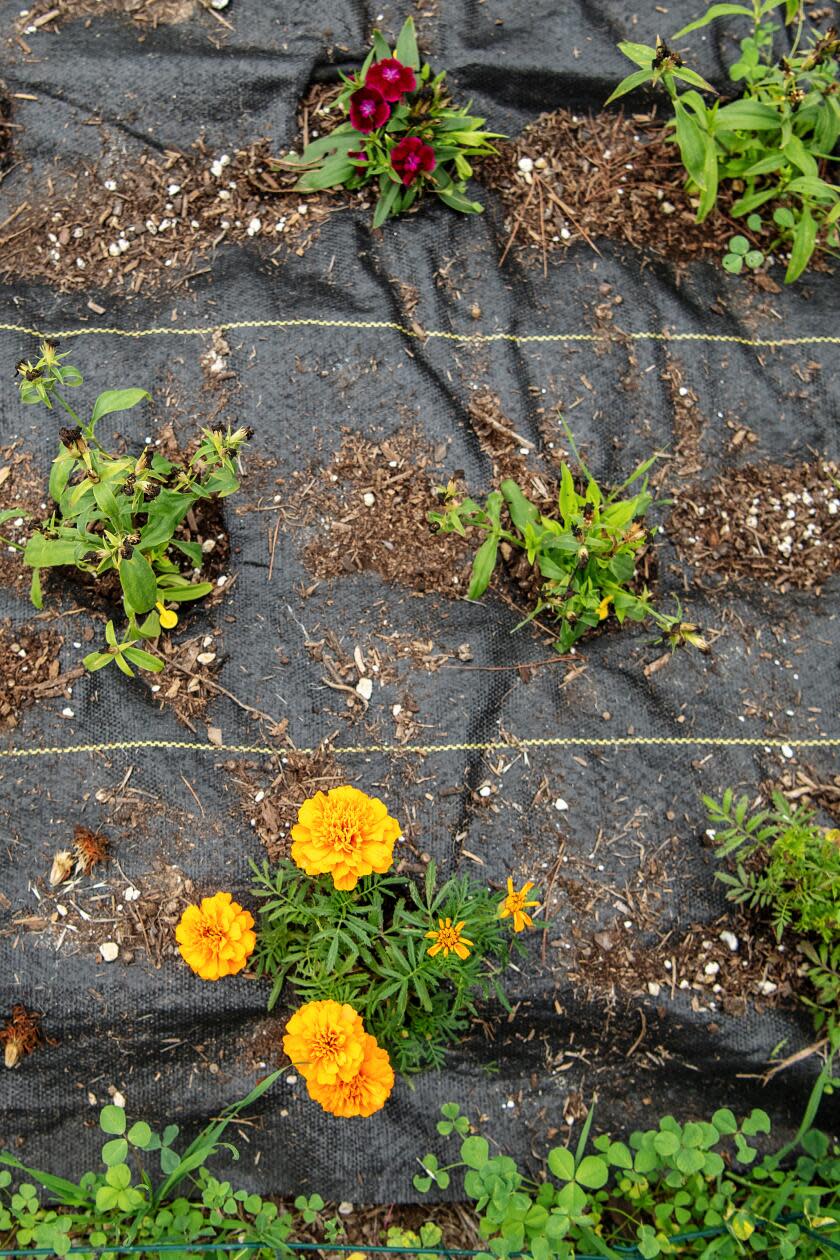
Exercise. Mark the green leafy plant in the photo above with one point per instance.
(369, 947)
(116, 515)
(147, 1193)
(789, 867)
(586, 554)
(403, 133)
(786, 863)
(696, 1189)
(740, 255)
(773, 145)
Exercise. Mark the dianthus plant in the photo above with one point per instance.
(403, 133)
(117, 514)
(411, 960)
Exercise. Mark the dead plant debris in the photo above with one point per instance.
(50, 15)
(762, 522)
(30, 670)
(20, 1035)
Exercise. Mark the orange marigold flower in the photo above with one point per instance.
(516, 903)
(448, 937)
(216, 938)
(364, 1093)
(325, 1042)
(346, 834)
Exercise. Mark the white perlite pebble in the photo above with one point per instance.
(560, 804)
(653, 988)
(766, 987)
(526, 165)
(368, 499)
(730, 940)
(110, 951)
(364, 688)
(711, 968)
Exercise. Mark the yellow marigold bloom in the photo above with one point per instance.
(515, 904)
(604, 607)
(346, 834)
(216, 938)
(364, 1093)
(325, 1042)
(168, 617)
(448, 937)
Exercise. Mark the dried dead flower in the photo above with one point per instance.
(62, 866)
(20, 1035)
(90, 848)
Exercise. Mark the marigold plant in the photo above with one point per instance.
(515, 905)
(367, 948)
(365, 1092)
(324, 1040)
(346, 834)
(216, 938)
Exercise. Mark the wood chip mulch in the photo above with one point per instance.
(272, 793)
(762, 522)
(30, 670)
(603, 175)
(368, 511)
(49, 16)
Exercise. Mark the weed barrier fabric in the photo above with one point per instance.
(316, 354)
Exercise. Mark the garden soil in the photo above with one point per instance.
(374, 367)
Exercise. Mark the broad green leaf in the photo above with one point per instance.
(115, 1151)
(35, 593)
(62, 467)
(561, 1162)
(475, 1151)
(746, 115)
(47, 553)
(116, 400)
(386, 203)
(642, 54)
(179, 594)
(406, 49)
(332, 174)
(455, 199)
(140, 1134)
(138, 582)
(632, 81)
(381, 47)
(165, 513)
(522, 510)
(804, 241)
(112, 1120)
(592, 1172)
(107, 503)
(483, 565)
(339, 142)
(143, 660)
(692, 144)
(715, 11)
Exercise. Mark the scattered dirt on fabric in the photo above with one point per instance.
(271, 793)
(22, 486)
(84, 914)
(605, 175)
(370, 506)
(689, 421)
(700, 962)
(30, 669)
(188, 683)
(21, 1035)
(762, 522)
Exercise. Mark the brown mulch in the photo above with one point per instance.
(22, 486)
(158, 220)
(7, 127)
(603, 175)
(804, 785)
(388, 533)
(762, 522)
(272, 793)
(30, 669)
(50, 15)
(82, 914)
(758, 973)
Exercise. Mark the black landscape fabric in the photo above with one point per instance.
(316, 358)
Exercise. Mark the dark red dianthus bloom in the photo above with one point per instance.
(391, 78)
(368, 110)
(411, 157)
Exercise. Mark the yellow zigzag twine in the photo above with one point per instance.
(558, 741)
(477, 338)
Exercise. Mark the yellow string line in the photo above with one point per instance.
(555, 741)
(476, 337)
